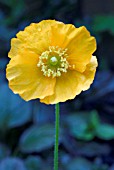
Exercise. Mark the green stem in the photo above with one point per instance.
(56, 137)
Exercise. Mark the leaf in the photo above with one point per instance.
(14, 111)
(79, 164)
(93, 149)
(3, 63)
(83, 125)
(16, 10)
(37, 138)
(33, 163)
(112, 167)
(46, 113)
(94, 119)
(100, 167)
(6, 33)
(105, 132)
(12, 164)
(103, 23)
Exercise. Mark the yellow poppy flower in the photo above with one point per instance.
(51, 61)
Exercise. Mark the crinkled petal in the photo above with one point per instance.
(72, 83)
(80, 48)
(78, 41)
(59, 33)
(26, 79)
(35, 37)
(89, 73)
(16, 46)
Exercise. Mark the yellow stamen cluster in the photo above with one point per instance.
(53, 62)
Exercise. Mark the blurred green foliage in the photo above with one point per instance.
(87, 122)
(102, 23)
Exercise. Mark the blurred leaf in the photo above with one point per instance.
(103, 23)
(83, 125)
(12, 164)
(16, 10)
(13, 110)
(64, 157)
(11, 3)
(79, 164)
(112, 167)
(37, 138)
(101, 167)
(33, 163)
(105, 132)
(102, 98)
(3, 63)
(94, 119)
(104, 167)
(46, 113)
(4, 151)
(8, 3)
(93, 149)
(6, 33)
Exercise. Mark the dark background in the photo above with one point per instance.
(87, 122)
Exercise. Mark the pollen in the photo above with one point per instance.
(53, 62)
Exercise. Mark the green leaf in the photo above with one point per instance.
(105, 132)
(103, 23)
(79, 164)
(94, 119)
(37, 138)
(83, 125)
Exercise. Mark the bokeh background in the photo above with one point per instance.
(87, 122)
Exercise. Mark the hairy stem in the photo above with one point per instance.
(56, 136)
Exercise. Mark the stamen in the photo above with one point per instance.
(53, 62)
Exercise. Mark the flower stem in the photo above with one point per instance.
(56, 136)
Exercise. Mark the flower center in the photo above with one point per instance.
(53, 62)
